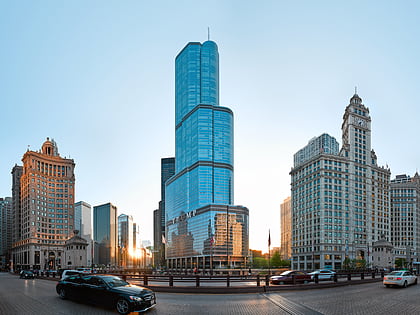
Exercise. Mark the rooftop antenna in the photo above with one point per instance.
(208, 33)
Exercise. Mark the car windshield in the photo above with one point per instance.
(285, 273)
(396, 273)
(115, 282)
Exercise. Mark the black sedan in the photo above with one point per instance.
(26, 274)
(106, 290)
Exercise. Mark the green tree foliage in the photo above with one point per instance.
(260, 262)
(400, 262)
(349, 264)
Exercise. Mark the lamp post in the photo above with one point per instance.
(227, 236)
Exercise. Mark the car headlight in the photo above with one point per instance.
(135, 298)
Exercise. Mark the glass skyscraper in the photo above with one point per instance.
(200, 194)
(105, 234)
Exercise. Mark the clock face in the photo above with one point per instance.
(361, 122)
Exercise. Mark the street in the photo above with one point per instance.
(18, 296)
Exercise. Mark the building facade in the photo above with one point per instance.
(382, 255)
(199, 197)
(286, 229)
(340, 200)
(167, 170)
(83, 224)
(125, 241)
(405, 217)
(105, 235)
(46, 213)
(75, 252)
(6, 228)
(17, 172)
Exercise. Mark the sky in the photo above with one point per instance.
(98, 78)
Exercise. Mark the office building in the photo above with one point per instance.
(46, 214)
(105, 235)
(203, 227)
(340, 200)
(83, 224)
(405, 217)
(167, 170)
(125, 240)
(317, 145)
(286, 229)
(17, 172)
(6, 227)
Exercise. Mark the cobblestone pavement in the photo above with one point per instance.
(371, 299)
(18, 296)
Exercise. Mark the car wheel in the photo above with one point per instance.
(387, 285)
(405, 284)
(415, 281)
(62, 293)
(123, 307)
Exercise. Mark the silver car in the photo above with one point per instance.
(402, 278)
(323, 274)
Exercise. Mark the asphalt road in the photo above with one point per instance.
(18, 296)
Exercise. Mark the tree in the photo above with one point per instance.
(275, 260)
(400, 262)
(260, 262)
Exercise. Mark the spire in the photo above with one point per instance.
(208, 33)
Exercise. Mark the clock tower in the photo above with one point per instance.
(356, 132)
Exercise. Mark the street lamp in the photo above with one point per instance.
(227, 236)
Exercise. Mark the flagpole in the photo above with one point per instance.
(269, 244)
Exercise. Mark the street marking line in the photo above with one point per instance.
(289, 306)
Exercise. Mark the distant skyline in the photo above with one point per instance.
(98, 77)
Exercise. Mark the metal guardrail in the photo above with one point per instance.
(201, 280)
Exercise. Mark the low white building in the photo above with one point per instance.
(75, 252)
(383, 254)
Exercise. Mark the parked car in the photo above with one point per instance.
(323, 274)
(69, 272)
(26, 274)
(287, 277)
(84, 270)
(106, 290)
(402, 278)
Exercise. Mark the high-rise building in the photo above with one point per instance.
(17, 172)
(167, 170)
(125, 240)
(203, 228)
(316, 146)
(105, 235)
(45, 217)
(83, 223)
(405, 217)
(286, 229)
(340, 201)
(6, 227)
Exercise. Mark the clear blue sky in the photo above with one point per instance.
(98, 77)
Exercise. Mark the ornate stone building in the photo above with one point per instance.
(340, 200)
(44, 207)
(75, 252)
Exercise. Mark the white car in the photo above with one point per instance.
(402, 278)
(323, 274)
(69, 272)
